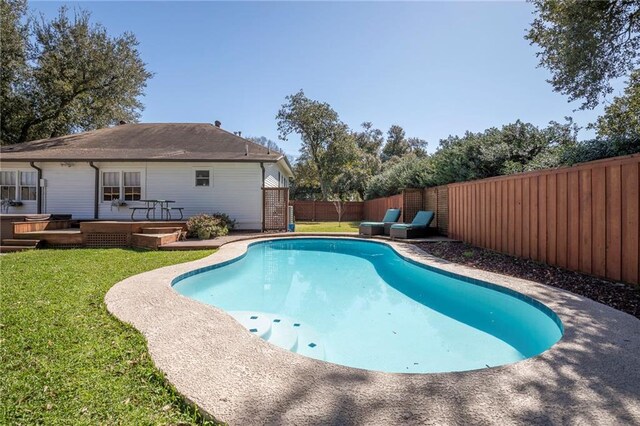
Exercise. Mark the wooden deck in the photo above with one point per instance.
(107, 234)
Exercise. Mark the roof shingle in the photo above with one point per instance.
(143, 142)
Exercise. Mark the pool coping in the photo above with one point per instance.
(592, 375)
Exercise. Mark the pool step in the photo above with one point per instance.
(283, 332)
(256, 322)
(310, 344)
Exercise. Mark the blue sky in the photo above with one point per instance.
(436, 68)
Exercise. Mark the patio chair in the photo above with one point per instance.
(380, 228)
(417, 228)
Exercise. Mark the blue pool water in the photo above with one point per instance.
(359, 304)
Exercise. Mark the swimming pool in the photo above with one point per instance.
(360, 304)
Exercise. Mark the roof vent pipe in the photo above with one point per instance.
(217, 123)
(246, 149)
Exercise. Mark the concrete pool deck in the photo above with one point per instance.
(591, 376)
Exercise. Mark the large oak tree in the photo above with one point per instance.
(65, 75)
(586, 44)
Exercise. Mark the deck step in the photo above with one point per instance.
(161, 230)
(20, 242)
(13, 249)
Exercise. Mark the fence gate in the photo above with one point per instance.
(275, 209)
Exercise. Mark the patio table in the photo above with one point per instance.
(151, 206)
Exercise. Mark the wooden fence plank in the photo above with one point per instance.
(504, 232)
(526, 219)
(518, 217)
(561, 218)
(492, 200)
(534, 218)
(542, 221)
(630, 226)
(585, 221)
(573, 213)
(598, 221)
(511, 189)
(552, 205)
(614, 222)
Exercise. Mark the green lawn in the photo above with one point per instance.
(327, 227)
(63, 358)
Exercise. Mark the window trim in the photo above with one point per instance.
(121, 172)
(18, 187)
(193, 176)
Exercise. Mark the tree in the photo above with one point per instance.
(586, 44)
(305, 184)
(621, 119)
(323, 135)
(266, 142)
(344, 160)
(66, 75)
(370, 139)
(396, 145)
(417, 146)
(409, 171)
(495, 152)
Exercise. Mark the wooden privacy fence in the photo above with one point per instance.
(583, 218)
(323, 211)
(375, 209)
(410, 201)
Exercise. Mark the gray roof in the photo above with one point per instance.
(144, 142)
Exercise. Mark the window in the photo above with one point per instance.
(8, 185)
(132, 187)
(121, 185)
(28, 186)
(203, 178)
(110, 186)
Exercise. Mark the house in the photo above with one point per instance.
(102, 174)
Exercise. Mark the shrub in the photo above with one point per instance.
(225, 220)
(205, 226)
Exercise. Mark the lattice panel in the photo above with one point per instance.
(275, 209)
(443, 209)
(412, 203)
(63, 246)
(436, 199)
(99, 240)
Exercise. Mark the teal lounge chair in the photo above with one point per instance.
(379, 228)
(417, 228)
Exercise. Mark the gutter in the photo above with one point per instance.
(39, 190)
(96, 190)
(262, 186)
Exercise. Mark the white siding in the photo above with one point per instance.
(235, 190)
(69, 189)
(274, 176)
